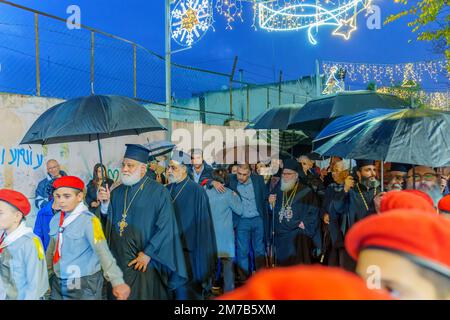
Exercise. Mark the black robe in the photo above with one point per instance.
(197, 236)
(294, 245)
(152, 229)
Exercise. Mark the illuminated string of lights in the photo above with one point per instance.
(406, 73)
(434, 100)
(290, 15)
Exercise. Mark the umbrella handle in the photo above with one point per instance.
(101, 161)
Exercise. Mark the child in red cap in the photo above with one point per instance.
(406, 251)
(78, 251)
(23, 271)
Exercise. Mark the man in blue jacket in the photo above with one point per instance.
(44, 188)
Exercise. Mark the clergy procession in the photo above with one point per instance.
(194, 232)
(295, 153)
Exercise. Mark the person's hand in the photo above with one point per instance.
(121, 291)
(141, 262)
(55, 205)
(301, 225)
(104, 194)
(272, 199)
(95, 204)
(326, 218)
(323, 173)
(218, 186)
(349, 183)
(377, 201)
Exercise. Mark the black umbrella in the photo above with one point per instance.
(91, 118)
(275, 118)
(316, 114)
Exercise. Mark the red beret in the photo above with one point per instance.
(415, 232)
(421, 194)
(69, 182)
(444, 204)
(16, 199)
(405, 200)
(305, 283)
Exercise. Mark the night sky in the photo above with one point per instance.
(261, 54)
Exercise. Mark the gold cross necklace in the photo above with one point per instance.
(123, 223)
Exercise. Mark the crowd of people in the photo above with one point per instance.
(178, 228)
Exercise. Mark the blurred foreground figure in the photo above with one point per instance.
(405, 251)
(305, 283)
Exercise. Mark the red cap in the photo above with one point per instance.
(305, 283)
(16, 199)
(444, 204)
(405, 200)
(414, 232)
(421, 194)
(69, 182)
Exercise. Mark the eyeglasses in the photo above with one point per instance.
(425, 176)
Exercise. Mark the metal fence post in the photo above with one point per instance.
(134, 71)
(231, 85)
(92, 60)
(38, 66)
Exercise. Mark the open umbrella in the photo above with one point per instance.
(275, 118)
(414, 136)
(316, 114)
(160, 147)
(91, 118)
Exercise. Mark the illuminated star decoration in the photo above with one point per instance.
(346, 28)
(190, 20)
(289, 15)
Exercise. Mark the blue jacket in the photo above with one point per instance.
(206, 173)
(44, 191)
(42, 224)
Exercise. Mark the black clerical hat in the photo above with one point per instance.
(291, 164)
(363, 163)
(136, 152)
(402, 167)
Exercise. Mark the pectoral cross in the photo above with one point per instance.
(122, 225)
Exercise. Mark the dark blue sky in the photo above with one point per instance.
(260, 53)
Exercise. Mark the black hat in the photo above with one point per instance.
(291, 164)
(136, 152)
(363, 163)
(402, 167)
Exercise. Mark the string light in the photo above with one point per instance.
(289, 15)
(231, 10)
(190, 20)
(433, 100)
(335, 82)
(406, 73)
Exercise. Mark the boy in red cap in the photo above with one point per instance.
(23, 271)
(406, 200)
(78, 250)
(444, 206)
(305, 283)
(405, 251)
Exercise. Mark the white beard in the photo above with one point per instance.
(132, 179)
(288, 186)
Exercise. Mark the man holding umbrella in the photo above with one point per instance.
(356, 201)
(142, 231)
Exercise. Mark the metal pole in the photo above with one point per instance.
(92, 60)
(38, 66)
(318, 83)
(248, 103)
(134, 72)
(168, 71)
(231, 85)
(279, 87)
(101, 159)
(268, 98)
(382, 175)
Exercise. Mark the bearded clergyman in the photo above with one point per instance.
(297, 223)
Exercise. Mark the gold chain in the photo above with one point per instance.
(290, 198)
(362, 196)
(173, 200)
(123, 223)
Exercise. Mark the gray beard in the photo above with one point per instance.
(395, 186)
(132, 179)
(287, 186)
(369, 183)
(435, 193)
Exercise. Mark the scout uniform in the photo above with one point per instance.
(23, 271)
(78, 251)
